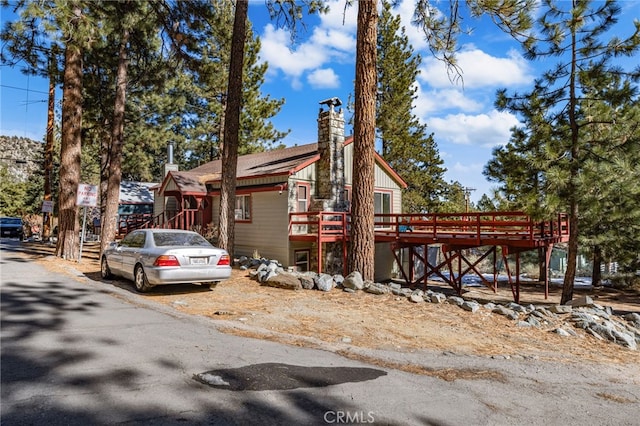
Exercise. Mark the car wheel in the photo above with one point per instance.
(105, 272)
(140, 281)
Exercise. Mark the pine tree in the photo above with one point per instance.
(558, 106)
(516, 165)
(405, 144)
(455, 199)
(362, 251)
(232, 129)
(205, 133)
(610, 223)
(67, 246)
(440, 31)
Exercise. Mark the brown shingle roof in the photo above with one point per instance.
(277, 161)
(188, 182)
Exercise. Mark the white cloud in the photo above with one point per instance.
(328, 43)
(406, 9)
(324, 78)
(463, 168)
(433, 101)
(275, 50)
(487, 130)
(479, 69)
(334, 41)
(340, 17)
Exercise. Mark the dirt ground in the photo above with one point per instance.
(338, 319)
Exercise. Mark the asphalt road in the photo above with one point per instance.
(82, 352)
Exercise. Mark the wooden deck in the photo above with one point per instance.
(457, 229)
(514, 232)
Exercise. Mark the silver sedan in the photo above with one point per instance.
(151, 257)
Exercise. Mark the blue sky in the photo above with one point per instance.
(321, 64)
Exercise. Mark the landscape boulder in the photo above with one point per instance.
(353, 281)
(306, 281)
(376, 288)
(285, 281)
(324, 282)
(417, 296)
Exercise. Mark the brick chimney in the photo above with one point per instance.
(330, 167)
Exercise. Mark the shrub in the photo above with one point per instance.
(625, 281)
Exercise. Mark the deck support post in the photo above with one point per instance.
(548, 249)
(344, 257)
(495, 270)
(517, 294)
(427, 267)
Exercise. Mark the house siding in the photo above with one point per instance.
(383, 180)
(158, 205)
(384, 262)
(267, 232)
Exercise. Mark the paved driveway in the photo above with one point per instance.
(84, 352)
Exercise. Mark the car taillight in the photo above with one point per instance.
(224, 260)
(166, 261)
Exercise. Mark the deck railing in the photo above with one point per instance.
(184, 219)
(472, 226)
(323, 225)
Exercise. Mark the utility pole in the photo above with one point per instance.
(48, 149)
(467, 197)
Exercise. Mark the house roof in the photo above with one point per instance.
(136, 192)
(187, 182)
(284, 161)
(275, 162)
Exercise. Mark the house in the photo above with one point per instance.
(135, 205)
(277, 191)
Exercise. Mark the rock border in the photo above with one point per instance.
(582, 313)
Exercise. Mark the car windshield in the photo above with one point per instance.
(10, 221)
(179, 239)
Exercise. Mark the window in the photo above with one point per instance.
(135, 239)
(190, 202)
(243, 207)
(347, 198)
(127, 209)
(382, 205)
(164, 239)
(302, 260)
(303, 198)
(302, 205)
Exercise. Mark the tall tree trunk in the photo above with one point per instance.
(105, 158)
(596, 274)
(110, 219)
(572, 255)
(362, 253)
(48, 148)
(221, 128)
(70, 161)
(232, 129)
(543, 267)
(572, 252)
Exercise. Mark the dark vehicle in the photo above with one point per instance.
(151, 257)
(11, 227)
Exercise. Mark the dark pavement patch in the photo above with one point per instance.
(277, 376)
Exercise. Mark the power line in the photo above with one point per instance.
(22, 88)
